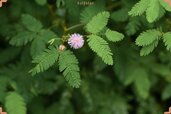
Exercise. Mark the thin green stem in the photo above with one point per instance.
(73, 27)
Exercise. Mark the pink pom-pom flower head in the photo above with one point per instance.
(76, 41)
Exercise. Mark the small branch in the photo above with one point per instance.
(73, 27)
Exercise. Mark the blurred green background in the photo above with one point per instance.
(133, 85)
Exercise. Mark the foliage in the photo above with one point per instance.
(100, 46)
(15, 103)
(124, 66)
(69, 65)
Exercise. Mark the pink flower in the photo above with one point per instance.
(1, 1)
(76, 41)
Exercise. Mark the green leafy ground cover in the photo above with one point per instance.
(124, 66)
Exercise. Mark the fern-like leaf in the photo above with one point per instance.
(98, 22)
(148, 37)
(152, 14)
(114, 36)
(39, 43)
(167, 40)
(45, 60)
(139, 8)
(68, 64)
(31, 23)
(15, 104)
(22, 38)
(148, 49)
(100, 46)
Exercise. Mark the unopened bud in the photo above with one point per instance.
(62, 47)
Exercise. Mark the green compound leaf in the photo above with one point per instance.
(98, 22)
(39, 43)
(139, 8)
(167, 40)
(45, 60)
(31, 23)
(153, 10)
(101, 47)
(148, 37)
(148, 49)
(114, 36)
(15, 104)
(68, 64)
(22, 38)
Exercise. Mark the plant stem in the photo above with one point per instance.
(73, 27)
